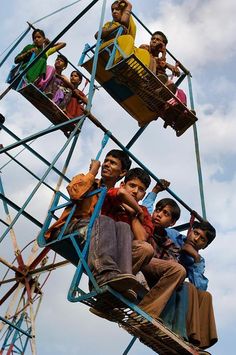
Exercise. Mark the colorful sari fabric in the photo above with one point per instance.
(44, 80)
(58, 93)
(125, 42)
(131, 30)
(75, 107)
(39, 68)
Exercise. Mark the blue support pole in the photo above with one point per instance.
(15, 327)
(14, 46)
(17, 332)
(114, 49)
(40, 134)
(83, 255)
(35, 153)
(5, 206)
(28, 171)
(136, 136)
(129, 346)
(7, 202)
(103, 144)
(22, 209)
(197, 153)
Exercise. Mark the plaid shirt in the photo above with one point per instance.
(164, 247)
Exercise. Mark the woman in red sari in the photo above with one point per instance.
(75, 107)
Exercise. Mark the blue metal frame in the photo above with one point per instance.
(83, 266)
(115, 48)
(21, 37)
(197, 152)
(130, 345)
(14, 334)
(53, 128)
(22, 209)
(23, 79)
(103, 144)
(34, 152)
(82, 254)
(112, 52)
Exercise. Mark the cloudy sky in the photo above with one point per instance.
(202, 35)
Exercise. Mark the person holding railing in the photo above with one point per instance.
(189, 311)
(75, 107)
(38, 70)
(123, 224)
(121, 17)
(157, 51)
(59, 88)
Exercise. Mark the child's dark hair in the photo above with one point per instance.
(208, 228)
(119, 3)
(78, 73)
(62, 57)
(165, 40)
(122, 156)
(138, 173)
(37, 30)
(175, 210)
(115, 3)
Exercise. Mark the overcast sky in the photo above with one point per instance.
(202, 35)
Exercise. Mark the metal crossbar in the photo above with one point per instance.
(69, 245)
(111, 305)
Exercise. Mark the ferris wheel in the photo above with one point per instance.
(24, 221)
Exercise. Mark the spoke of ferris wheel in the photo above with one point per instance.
(32, 320)
(40, 270)
(7, 281)
(34, 251)
(9, 293)
(9, 265)
(32, 258)
(49, 267)
(21, 311)
(4, 222)
(12, 233)
(35, 248)
(14, 241)
(19, 305)
(9, 312)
